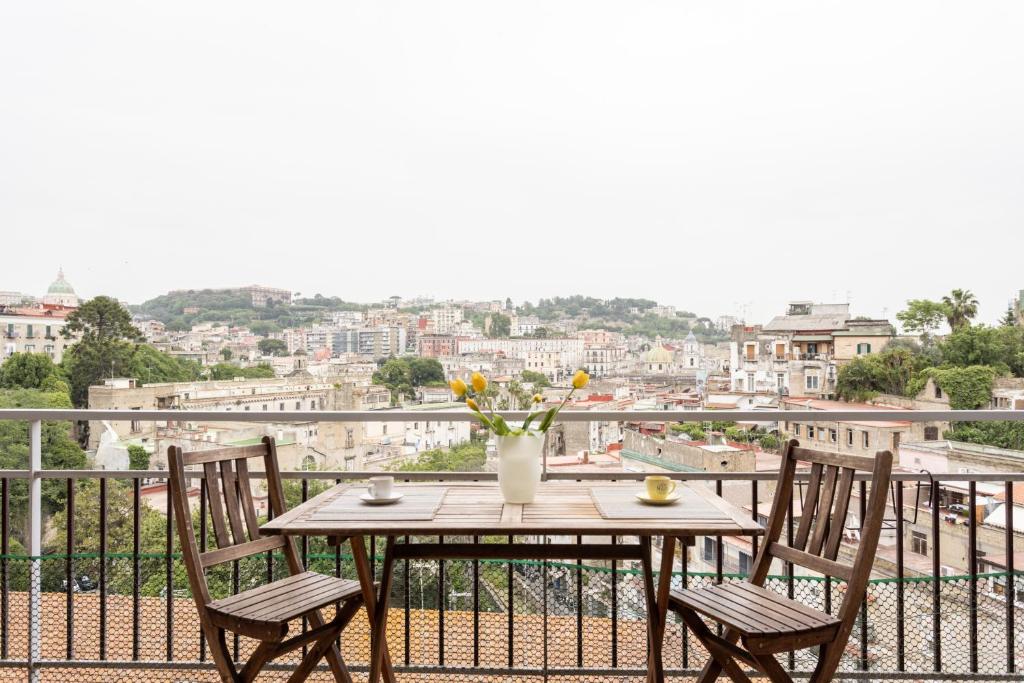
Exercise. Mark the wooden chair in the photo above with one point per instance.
(764, 621)
(265, 612)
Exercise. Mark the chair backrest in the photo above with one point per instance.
(816, 541)
(232, 509)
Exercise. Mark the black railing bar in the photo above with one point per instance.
(901, 640)
(936, 593)
(972, 569)
(862, 513)
(69, 568)
(4, 549)
(568, 415)
(997, 477)
(103, 569)
(1011, 584)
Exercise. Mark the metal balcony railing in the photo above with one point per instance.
(110, 591)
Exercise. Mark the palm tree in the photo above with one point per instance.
(961, 305)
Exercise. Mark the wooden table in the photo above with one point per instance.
(476, 509)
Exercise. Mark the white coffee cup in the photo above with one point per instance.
(380, 487)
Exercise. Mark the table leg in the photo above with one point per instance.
(380, 659)
(655, 672)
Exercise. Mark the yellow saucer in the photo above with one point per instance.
(644, 498)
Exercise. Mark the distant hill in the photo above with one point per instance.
(181, 309)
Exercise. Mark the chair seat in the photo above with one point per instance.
(759, 615)
(264, 612)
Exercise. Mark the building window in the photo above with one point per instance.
(708, 552)
(744, 563)
(780, 380)
(863, 348)
(796, 430)
(298, 405)
(918, 542)
(931, 433)
(896, 436)
(833, 436)
(281, 406)
(849, 437)
(810, 431)
(750, 381)
(811, 381)
(30, 334)
(865, 440)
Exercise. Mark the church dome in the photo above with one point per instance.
(659, 354)
(60, 292)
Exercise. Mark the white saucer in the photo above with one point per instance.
(672, 497)
(367, 498)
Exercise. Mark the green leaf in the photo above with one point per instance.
(530, 418)
(548, 419)
(486, 423)
(501, 427)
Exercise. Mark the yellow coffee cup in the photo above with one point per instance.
(659, 487)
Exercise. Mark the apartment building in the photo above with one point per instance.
(557, 358)
(799, 353)
(34, 329)
(811, 426)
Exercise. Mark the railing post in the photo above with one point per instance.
(35, 535)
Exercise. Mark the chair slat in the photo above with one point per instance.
(230, 482)
(248, 505)
(237, 552)
(842, 506)
(809, 504)
(857, 462)
(219, 454)
(813, 562)
(220, 531)
(821, 514)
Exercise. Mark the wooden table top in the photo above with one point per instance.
(476, 509)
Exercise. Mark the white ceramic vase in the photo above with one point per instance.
(519, 466)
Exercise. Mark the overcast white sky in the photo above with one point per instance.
(714, 155)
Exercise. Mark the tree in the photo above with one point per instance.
(961, 307)
(425, 371)
(402, 375)
(886, 372)
(968, 388)
(272, 347)
(466, 457)
(501, 326)
(101, 319)
(538, 379)
(222, 371)
(922, 316)
(226, 354)
(1009, 319)
(138, 457)
(27, 371)
(999, 347)
(105, 346)
(395, 375)
(151, 366)
(59, 451)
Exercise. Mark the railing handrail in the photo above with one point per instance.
(568, 415)
(343, 475)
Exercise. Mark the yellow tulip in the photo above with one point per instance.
(580, 379)
(472, 405)
(479, 382)
(459, 387)
(537, 398)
